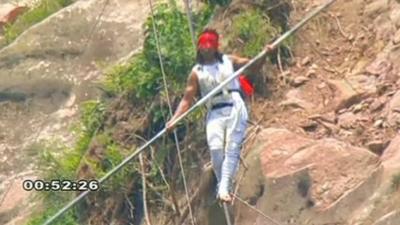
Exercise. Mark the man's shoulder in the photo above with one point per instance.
(228, 58)
(196, 68)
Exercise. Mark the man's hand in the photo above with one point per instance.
(259, 63)
(269, 48)
(169, 125)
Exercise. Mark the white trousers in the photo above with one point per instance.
(225, 133)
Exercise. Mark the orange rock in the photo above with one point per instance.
(9, 15)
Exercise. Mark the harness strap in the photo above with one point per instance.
(221, 105)
(230, 91)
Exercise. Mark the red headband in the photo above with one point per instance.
(208, 39)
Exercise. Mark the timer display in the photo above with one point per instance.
(61, 185)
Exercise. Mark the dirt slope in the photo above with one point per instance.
(340, 101)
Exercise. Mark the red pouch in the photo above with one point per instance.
(246, 85)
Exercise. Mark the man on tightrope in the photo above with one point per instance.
(227, 114)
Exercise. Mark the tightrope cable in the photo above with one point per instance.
(190, 20)
(155, 30)
(256, 210)
(227, 215)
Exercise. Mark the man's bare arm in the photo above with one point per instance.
(239, 61)
(188, 98)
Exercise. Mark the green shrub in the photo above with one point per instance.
(142, 75)
(61, 163)
(138, 77)
(92, 116)
(219, 2)
(69, 218)
(53, 201)
(250, 31)
(58, 167)
(41, 11)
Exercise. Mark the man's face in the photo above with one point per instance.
(207, 53)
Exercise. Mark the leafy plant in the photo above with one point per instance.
(38, 13)
(250, 31)
(92, 116)
(219, 2)
(58, 167)
(69, 218)
(142, 75)
(61, 162)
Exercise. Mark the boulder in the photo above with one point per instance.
(352, 90)
(332, 162)
(327, 176)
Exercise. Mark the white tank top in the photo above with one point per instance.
(210, 76)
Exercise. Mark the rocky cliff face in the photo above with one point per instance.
(339, 161)
(329, 147)
(47, 72)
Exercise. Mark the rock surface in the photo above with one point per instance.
(51, 68)
(352, 90)
(316, 175)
